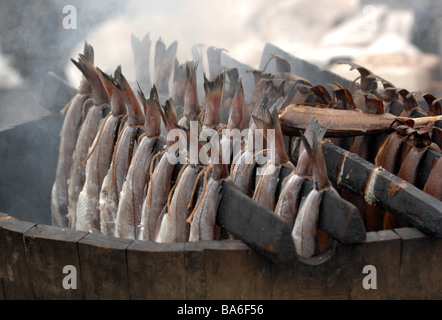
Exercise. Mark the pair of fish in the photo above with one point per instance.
(68, 140)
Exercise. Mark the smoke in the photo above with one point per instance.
(240, 27)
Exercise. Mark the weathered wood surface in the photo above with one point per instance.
(48, 250)
(14, 272)
(407, 264)
(156, 270)
(421, 261)
(384, 189)
(103, 271)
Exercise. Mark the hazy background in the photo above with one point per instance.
(396, 34)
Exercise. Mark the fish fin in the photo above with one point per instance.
(88, 52)
(89, 71)
(135, 115)
(315, 153)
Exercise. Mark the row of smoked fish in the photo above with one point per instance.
(114, 176)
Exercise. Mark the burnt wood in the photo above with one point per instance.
(387, 191)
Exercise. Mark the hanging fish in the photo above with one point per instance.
(305, 230)
(121, 159)
(127, 224)
(289, 199)
(265, 191)
(100, 157)
(68, 139)
(203, 217)
(160, 182)
(87, 134)
(245, 164)
(409, 169)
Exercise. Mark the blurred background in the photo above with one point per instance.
(398, 40)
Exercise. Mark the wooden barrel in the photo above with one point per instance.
(38, 261)
(402, 264)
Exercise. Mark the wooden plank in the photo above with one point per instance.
(300, 281)
(103, 267)
(195, 270)
(420, 276)
(338, 217)
(234, 271)
(156, 270)
(256, 226)
(263, 231)
(48, 251)
(382, 250)
(14, 272)
(384, 189)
